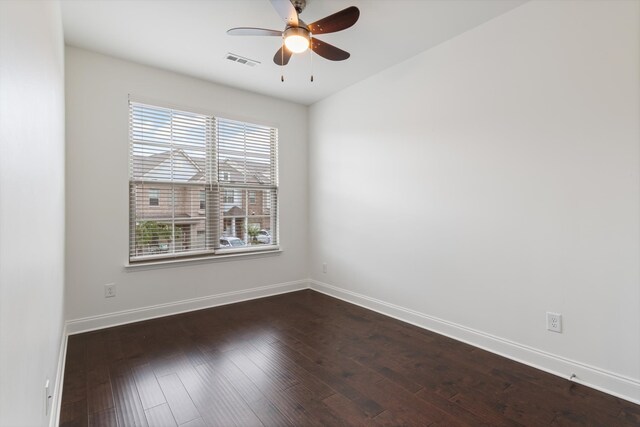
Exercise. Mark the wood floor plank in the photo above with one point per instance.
(99, 398)
(391, 419)
(630, 413)
(167, 363)
(113, 343)
(298, 404)
(411, 367)
(219, 402)
(106, 418)
(74, 414)
(179, 401)
(148, 387)
(415, 410)
(268, 414)
(304, 358)
(268, 359)
(160, 416)
(492, 415)
(405, 363)
(346, 410)
(330, 373)
(198, 422)
(131, 342)
(127, 401)
(221, 363)
(75, 386)
(76, 354)
(98, 373)
(194, 354)
(257, 375)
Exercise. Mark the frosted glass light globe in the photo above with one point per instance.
(296, 39)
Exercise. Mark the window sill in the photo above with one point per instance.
(181, 262)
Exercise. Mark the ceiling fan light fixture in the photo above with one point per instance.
(299, 37)
(296, 39)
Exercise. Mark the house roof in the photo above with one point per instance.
(191, 169)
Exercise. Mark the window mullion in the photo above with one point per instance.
(173, 190)
(213, 189)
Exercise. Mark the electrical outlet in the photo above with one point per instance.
(554, 322)
(47, 398)
(110, 290)
(324, 267)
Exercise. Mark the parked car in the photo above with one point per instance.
(264, 237)
(159, 248)
(231, 242)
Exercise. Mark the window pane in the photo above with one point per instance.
(168, 173)
(168, 218)
(246, 153)
(251, 222)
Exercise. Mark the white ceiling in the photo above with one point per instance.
(189, 37)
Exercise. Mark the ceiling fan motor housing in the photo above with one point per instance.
(296, 31)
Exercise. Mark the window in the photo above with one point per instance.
(154, 197)
(206, 170)
(228, 197)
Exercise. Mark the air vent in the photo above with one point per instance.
(241, 60)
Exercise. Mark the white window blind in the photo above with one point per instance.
(247, 166)
(190, 176)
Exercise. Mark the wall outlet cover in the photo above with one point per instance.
(554, 322)
(110, 290)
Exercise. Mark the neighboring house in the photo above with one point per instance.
(177, 195)
(243, 207)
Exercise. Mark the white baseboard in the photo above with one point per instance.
(599, 379)
(92, 323)
(54, 415)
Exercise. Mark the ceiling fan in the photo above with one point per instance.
(298, 37)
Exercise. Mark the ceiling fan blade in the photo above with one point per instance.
(282, 56)
(285, 9)
(328, 51)
(337, 22)
(249, 31)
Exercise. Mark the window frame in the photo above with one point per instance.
(212, 197)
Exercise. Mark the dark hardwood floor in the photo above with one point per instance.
(304, 359)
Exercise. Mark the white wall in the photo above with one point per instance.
(31, 206)
(97, 188)
(491, 179)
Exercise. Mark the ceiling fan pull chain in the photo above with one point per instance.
(311, 54)
(282, 60)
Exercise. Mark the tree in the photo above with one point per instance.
(253, 230)
(150, 234)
